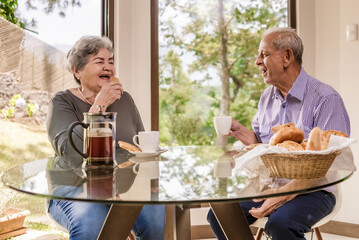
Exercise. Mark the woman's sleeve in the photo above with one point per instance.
(61, 113)
(137, 117)
(139, 126)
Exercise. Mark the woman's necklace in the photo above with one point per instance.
(83, 96)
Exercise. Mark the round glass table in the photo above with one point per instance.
(181, 176)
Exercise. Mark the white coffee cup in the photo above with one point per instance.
(222, 169)
(222, 124)
(148, 170)
(147, 141)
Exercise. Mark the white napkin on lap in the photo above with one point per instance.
(345, 160)
(250, 162)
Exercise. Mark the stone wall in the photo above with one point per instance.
(10, 87)
(32, 68)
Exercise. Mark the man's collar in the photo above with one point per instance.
(297, 89)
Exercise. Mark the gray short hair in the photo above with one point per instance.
(287, 38)
(79, 54)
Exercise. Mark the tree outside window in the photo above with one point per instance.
(207, 54)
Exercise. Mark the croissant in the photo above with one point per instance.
(128, 146)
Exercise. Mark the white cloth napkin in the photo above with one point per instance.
(252, 165)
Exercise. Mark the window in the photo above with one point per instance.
(206, 66)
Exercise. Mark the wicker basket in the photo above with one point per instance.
(298, 166)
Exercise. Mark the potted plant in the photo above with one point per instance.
(12, 221)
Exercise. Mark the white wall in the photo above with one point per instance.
(133, 52)
(349, 86)
(306, 29)
(328, 37)
(336, 64)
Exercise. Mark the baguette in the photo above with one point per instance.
(314, 140)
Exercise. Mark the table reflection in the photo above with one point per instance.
(182, 174)
(100, 183)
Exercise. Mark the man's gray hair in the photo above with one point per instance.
(286, 37)
(79, 54)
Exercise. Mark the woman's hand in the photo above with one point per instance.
(110, 92)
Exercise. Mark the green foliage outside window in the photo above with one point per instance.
(9, 110)
(221, 45)
(30, 109)
(7, 11)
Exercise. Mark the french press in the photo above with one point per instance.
(99, 141)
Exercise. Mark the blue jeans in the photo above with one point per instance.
(290, 221)
(84, 220)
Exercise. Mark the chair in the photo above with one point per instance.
(48, 215)
(260, 223)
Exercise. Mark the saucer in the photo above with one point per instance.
(151, 154)
(143, 159)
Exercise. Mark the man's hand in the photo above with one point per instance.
(242, 133)
(270, 205)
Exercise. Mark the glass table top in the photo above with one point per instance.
(191, 174)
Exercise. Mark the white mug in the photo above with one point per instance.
(147, 141)
(222, 124)
(148, 170)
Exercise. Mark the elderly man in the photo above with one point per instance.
(296, 97)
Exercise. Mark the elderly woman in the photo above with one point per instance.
(92, 65)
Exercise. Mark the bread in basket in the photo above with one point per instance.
(298, 163)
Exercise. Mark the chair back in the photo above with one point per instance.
(53, 221)
(338, 205)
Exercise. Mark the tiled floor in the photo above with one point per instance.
(327, 236)
(38, 235)
(308, 237)
(198, 216)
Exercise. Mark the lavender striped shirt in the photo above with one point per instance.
(309, 103)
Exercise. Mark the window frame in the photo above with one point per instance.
(107, 29)
(107, 18)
